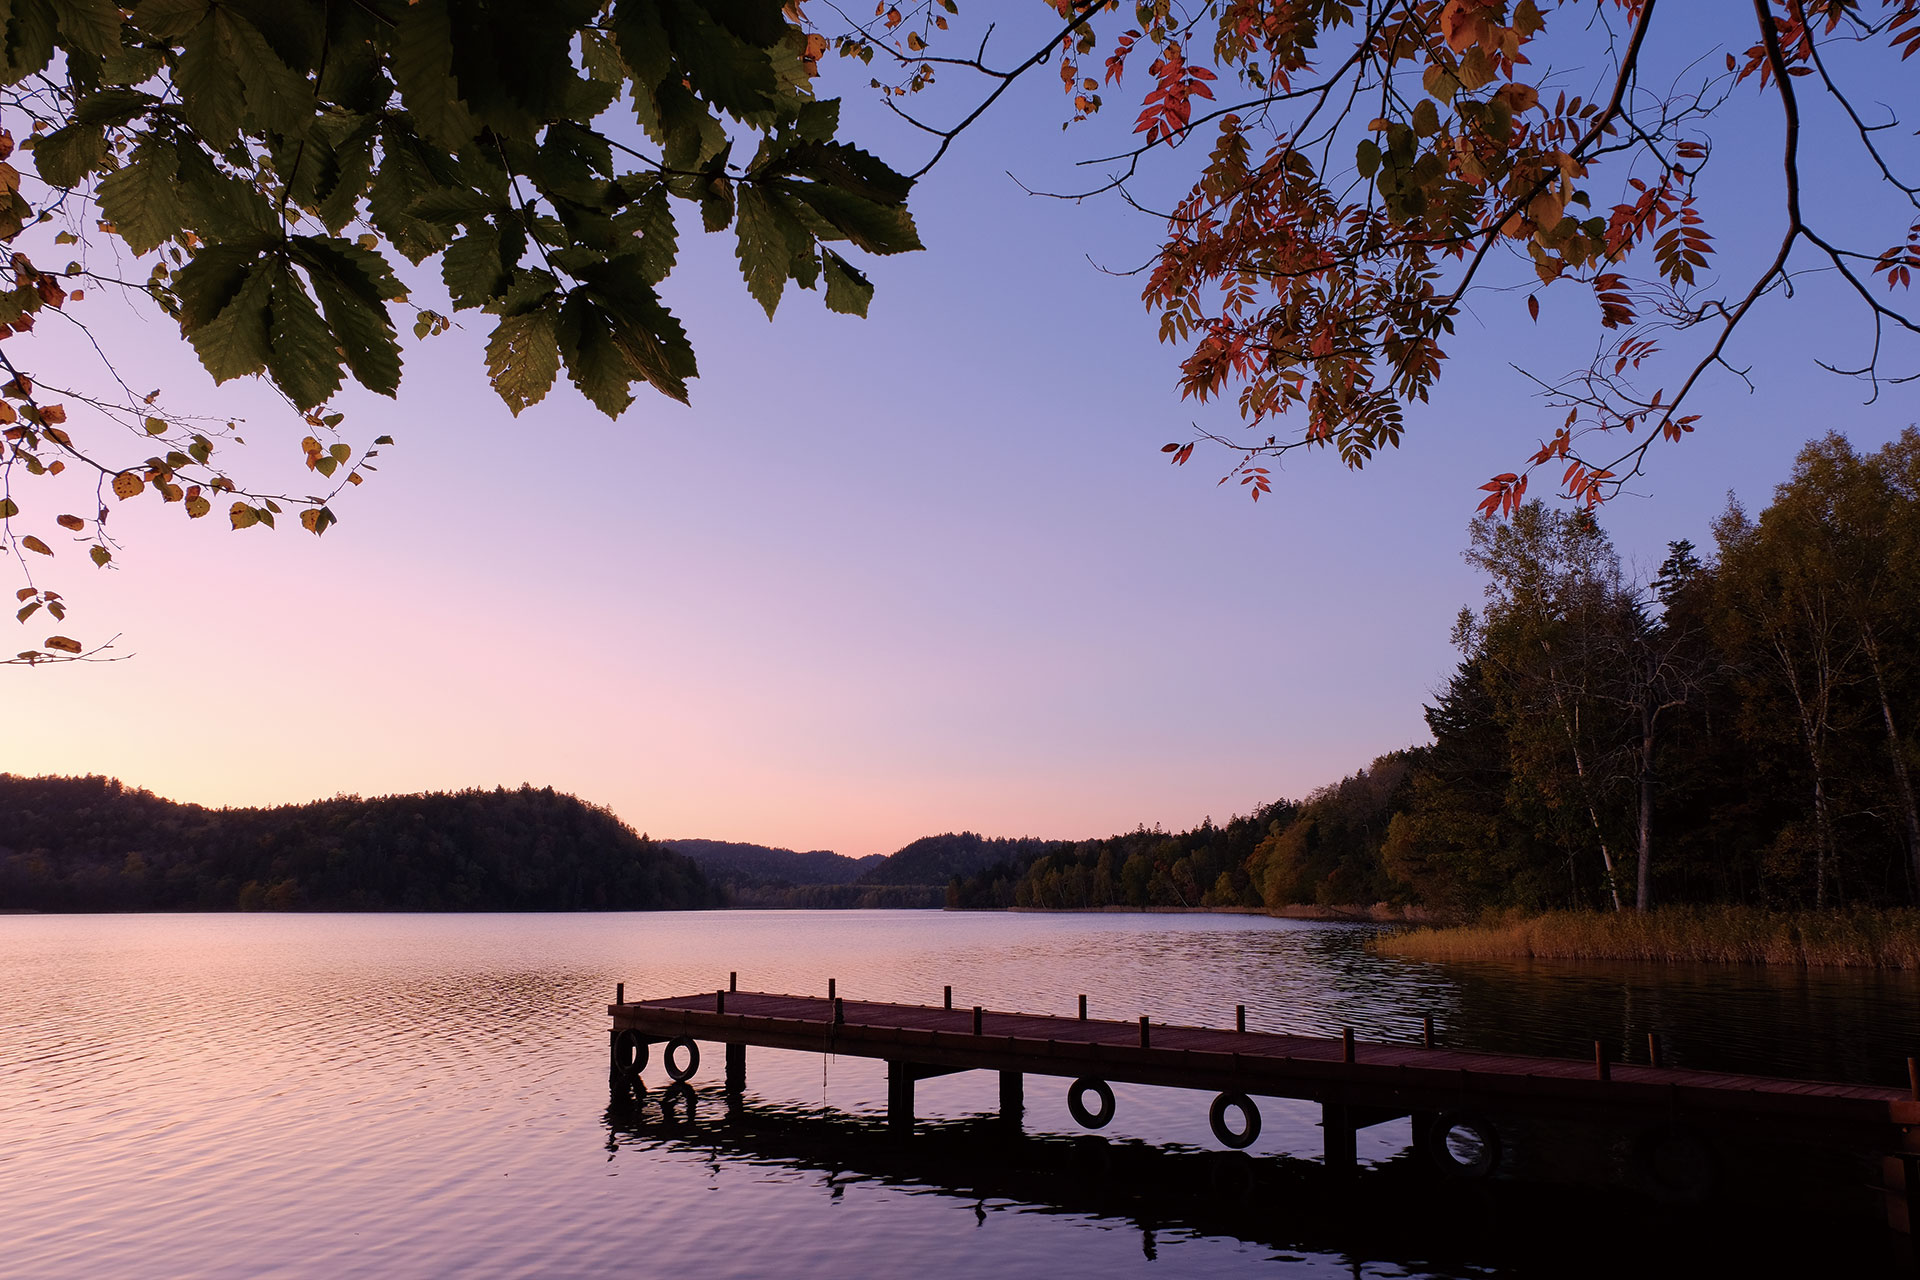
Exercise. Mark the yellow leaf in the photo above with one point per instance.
(197, 507)
(242, 515)
(127, 485)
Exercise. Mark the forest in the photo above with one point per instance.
(1735, 728)
(92, 844)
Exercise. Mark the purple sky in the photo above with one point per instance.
(923, 572)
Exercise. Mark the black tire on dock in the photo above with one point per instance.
(1076, 1103)
(629, 1052)
(676, 1103)
(693, 1058)
(1217, 1118)
(1463, 1144)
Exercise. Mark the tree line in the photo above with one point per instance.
(92, 844)
(1738, 727)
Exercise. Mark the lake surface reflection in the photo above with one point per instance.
(414, 1096)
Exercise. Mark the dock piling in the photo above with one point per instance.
(1426, 1030)
(1913, 1078)
(949, 997)
(839, 1010)
(1653, 1049)
(619, 993)
(719, 1002)
(900, 1097)
(1013, 1098)
(1346, 1044)
(1145, 1042)
(1602, 1070)
(829, 988)
(977, 1020)
(736, 1069)
(1338, 1133)
(1083, 1008)
(733, 980)
(1239, 1017)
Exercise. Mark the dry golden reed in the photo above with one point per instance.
(1863, 939)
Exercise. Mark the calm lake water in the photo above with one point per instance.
(424, 1096)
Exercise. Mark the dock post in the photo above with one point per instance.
(1336, 1123)
(1239, 1017)
(829, 988)
(1602, 1070)
(900, 1097)
(1426, 1030)
(1653, 1049)
(1346, 1044)
(619, 993)
(736, 1070)
(949, 997)
(1083, 1008)
(1145, 1041)
(733, 980)
(978, 1020)
(1013, 1099)
(1913, 1078)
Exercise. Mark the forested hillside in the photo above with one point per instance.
(738, 865)
(91, 844)
(934, 860)
(1739, 727)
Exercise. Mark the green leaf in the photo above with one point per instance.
(353, 284)
(763, 250)
(211, 96)
(66, 156)
(656, 239)
(848, 292)
(423, 70)
(8, 509)
(877, 228)
(472, 269)
(642, 40)
(142, 199)
(277, 97)
(101, 555)
(594, 364)
(523, 357)
(224, 294)
(169, 19)
(451, 206)
(722, 68)
(302, 356)
(92, 26)
(407, 171)
(113, 106)
(30, 33)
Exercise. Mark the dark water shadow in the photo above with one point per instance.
(1398, 1213)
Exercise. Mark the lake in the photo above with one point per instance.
(426, 1095)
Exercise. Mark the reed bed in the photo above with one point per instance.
(1862, 939)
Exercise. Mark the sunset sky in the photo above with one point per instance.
(922, 572)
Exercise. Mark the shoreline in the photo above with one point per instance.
(1886, 938)
(1352, 913)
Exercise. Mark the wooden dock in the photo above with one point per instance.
(1474, 1113)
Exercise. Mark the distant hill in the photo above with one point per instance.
(934, 860)
(756, 865)
(92, 844)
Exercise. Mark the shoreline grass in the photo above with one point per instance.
(1856, 939)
